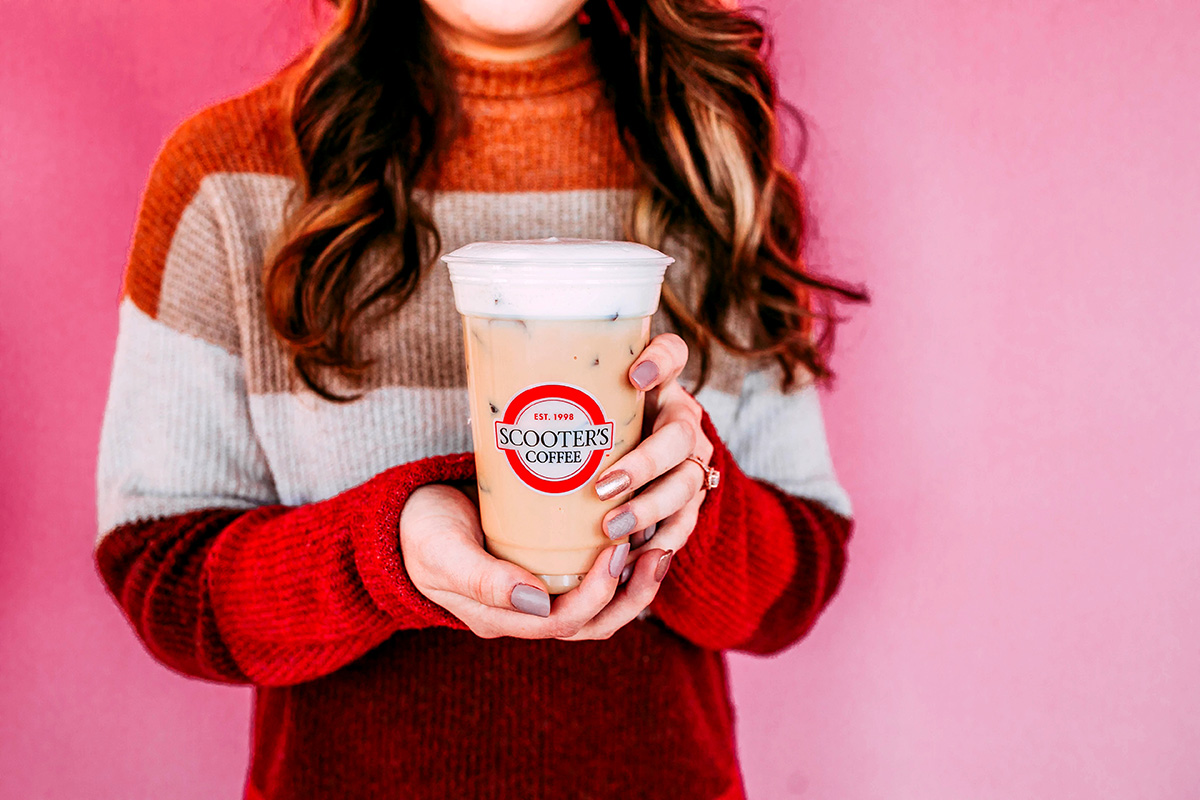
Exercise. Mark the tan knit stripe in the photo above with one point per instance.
(419, 345)
(253, 208)
(196, 296)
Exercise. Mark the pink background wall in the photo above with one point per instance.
(1017, 416)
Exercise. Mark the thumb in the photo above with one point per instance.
(469, 570)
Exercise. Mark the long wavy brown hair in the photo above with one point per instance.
(698, 112)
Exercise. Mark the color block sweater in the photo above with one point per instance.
(249, 530)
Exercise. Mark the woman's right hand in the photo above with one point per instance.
(441, 542)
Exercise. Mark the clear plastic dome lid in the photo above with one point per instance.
(557, 251)
(557, 279)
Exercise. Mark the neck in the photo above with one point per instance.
(505, 49)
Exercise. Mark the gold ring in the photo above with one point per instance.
(712, 477)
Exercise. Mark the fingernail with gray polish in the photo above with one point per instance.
(616, 562)
(620, 525)
(613, 484)
(644, 374)
(530, 600)
(649, 532)
(625, 573)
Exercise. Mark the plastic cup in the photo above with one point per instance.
(551, 328)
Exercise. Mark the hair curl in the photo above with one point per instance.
(698, 112)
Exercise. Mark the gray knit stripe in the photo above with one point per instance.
(317, 449)
(778, 437)
(465, 217)
(177, 434)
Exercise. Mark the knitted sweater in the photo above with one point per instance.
(249, 529)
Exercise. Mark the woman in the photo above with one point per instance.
(284, 479)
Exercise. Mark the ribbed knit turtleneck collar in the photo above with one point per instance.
(551, 74)
(541, 125)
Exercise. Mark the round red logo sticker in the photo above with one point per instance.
(554, 436)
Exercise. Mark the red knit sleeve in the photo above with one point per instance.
(275, 595)
(759, 567)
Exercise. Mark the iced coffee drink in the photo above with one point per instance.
(551, 328)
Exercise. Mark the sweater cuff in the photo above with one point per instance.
(705, 541)
(722, 461)
(376, 539)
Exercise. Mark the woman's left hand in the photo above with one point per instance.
(665, 510)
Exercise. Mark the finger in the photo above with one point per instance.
(576, 608)
(662, 361)
(659, 500)
(636, 551)
(631, 561)
(673, 441)
(631, 600)
(674, 531)
(639, 538)
(460, 565)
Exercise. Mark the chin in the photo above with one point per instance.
(507, 21)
